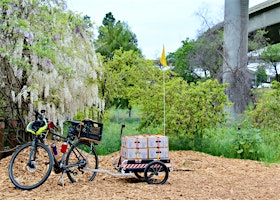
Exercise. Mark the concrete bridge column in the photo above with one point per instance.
(235, 55)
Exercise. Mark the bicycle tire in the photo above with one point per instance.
(28, 177)
(84, 154)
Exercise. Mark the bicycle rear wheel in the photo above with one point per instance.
(30, 167)
(83, 157)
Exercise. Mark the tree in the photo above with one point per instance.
(235, 70)
(114, 35)
(126, 72)
(208, 53)
(271, 55)
(182, 65)
(261, 75)
(258, 40)
(47, 60)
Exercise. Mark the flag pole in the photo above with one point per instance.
(164, 64)
(164, 103)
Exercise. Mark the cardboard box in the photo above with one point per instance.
(134, 142)
(158, 153)
(144, 147)
(132, 154)
(157, 141)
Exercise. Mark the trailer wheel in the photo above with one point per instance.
(156, 172)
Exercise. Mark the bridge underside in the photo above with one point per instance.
(266, 16)
(273, 33)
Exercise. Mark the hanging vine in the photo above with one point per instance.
(47, 60)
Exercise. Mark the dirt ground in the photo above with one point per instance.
(196, 176)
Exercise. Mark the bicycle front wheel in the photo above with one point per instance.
(30, 166)
(81, 159)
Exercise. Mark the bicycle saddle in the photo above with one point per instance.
(72, 122)
(37, 127)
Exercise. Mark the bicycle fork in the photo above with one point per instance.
(32, 165)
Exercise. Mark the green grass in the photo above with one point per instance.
(111, 136)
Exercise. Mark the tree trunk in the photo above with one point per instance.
(235, 56)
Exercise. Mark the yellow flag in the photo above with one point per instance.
(163, 58)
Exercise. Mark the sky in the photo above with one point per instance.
(157, 23)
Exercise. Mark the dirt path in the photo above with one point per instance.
(196, 176)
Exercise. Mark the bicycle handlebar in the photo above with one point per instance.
(38, 115)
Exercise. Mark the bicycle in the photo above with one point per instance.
(32, 163)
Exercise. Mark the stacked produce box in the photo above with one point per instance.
(142, 147)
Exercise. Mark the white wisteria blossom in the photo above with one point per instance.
(47, 60)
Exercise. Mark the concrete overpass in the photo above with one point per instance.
(266, 16)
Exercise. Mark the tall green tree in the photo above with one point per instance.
(114, 35)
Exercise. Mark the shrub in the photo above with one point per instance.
(247, 144)
(190, 108)
(266, 113)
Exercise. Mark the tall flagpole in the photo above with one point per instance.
(164, 64)
(164, 106)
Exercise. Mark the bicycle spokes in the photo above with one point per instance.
(30, 167)
(81, 157)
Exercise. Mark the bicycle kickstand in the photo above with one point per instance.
(62, 178)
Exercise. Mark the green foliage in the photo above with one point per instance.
(189, 108)
(271, 146)
(219, 141)
(44, 48)
(258, 40)
(223, 140)
(247, 143)
(47, 59)
(123, 74)
(204, 54)
(261, 75)
(208, 54)
(243, 140)
(113, 36)
(113, 120)
(111, 140)
(267, 111)
(182, 64)
(122, 61)
(271, 55)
